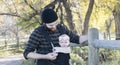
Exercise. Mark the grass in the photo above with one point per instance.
(11, 49)
(113, 62)
(31, 62)
(28, 62)
(5, 53)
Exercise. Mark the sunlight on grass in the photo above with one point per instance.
(5, 53)
(28, 62)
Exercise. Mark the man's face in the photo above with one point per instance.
(52, 26)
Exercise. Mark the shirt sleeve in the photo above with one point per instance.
(32, 43)
(73, 37)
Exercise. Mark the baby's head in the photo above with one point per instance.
(64, 40)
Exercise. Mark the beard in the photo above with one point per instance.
(52, 29)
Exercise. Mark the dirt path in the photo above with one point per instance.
(11, 60)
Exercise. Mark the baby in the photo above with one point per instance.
(64, 42)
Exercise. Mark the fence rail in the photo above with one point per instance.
(108, 44)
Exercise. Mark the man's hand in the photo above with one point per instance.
(83, 38)
(51, 56)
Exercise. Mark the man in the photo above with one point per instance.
(41, 41)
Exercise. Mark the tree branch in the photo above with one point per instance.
(31, 16)
(30, 6)
(51, 5)
(15, 7)
(15, 15)
(6, 5)
(11, 14)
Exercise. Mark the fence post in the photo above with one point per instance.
(93, 58)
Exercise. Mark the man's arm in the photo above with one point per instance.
(33, 44)
(83, 38)
(49, 56)
(75, 38)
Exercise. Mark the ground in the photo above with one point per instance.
(12, 60)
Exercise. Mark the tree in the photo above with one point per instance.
(87, 17)
(8, 28)
(4, 32)
(116, 13)
(108, 23)
(24, 10)
(15, 30)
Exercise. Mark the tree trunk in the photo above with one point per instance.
(69, 17)
(116, 15)
(87, 17)
(61, 15)
(17, 39)
(108, 23)
(5, 40)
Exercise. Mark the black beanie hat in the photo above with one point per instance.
(49, 16)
